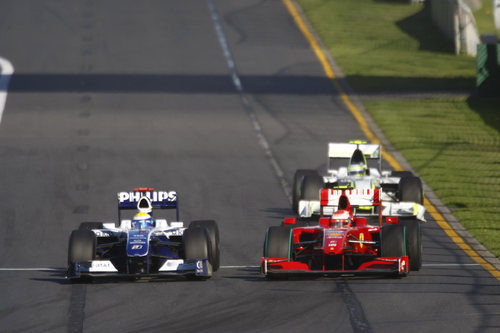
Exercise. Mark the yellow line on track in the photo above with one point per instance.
(327, 68)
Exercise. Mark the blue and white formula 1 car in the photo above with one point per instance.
(143, 246)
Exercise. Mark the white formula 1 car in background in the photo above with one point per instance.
(358, 165)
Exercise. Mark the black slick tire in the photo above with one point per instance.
(213, 232)
(392, 241)
(297, 186)
(277, 243)
(410, 189)
(196, 245)
(311, 185)
(413, 242)
(82, 244)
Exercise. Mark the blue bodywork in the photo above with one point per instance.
(138, 243)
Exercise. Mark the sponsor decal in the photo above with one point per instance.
(402, 265)
(137, 243)
(361, 238)
(174, 232)
(100, 233)
(200, 269)
(100, 266)
(155, 196)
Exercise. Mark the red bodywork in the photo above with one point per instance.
(331, 249)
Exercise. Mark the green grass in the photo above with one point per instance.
(454, 144)
(388, 45)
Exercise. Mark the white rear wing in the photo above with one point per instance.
(341, 151)
(345, 150)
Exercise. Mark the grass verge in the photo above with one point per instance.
(450, 144)
(388, 45)
(453, 143)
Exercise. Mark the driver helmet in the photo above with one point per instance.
(142, 220)
(357, 164)
(341, 219)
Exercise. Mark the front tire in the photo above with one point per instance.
(213, 231)
(392, 241)
(196, 243)
(82, 245)
(413, 243)
(278, 243)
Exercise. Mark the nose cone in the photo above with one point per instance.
(334, 241)
(137, 243)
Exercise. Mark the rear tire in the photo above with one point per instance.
(82, 244)
(392, 241)
(213, 232)
(413, 243)
(297, 186)
(410, 189)
(278, 243)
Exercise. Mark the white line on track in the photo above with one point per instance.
(6, 71)
(17, 269)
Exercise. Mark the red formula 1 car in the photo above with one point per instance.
(344, 244)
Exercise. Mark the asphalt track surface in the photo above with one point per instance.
(110, 95)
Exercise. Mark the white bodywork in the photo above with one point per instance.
(360, 198)
(375, 177)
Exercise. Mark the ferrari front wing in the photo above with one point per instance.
(273, 267)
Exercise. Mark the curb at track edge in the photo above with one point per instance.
(441, 214)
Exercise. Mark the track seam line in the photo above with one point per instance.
(263, 142)
(328, 69)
